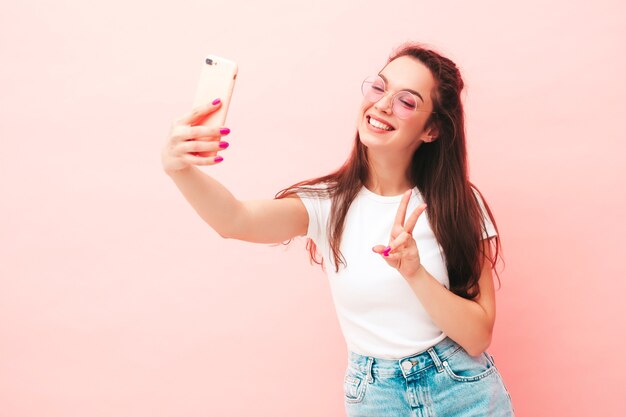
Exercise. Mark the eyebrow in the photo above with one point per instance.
(406, 89)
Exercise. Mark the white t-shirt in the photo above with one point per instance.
(378, 312)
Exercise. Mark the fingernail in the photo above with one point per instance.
(216, 101)
(224, 131)
(387, 250)
(224, 144)
(219, 159)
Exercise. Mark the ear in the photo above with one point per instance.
(430, 134)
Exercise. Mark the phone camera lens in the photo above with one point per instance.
(209, 61)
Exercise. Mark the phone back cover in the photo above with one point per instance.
(216, 81)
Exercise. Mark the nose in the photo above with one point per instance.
(384, 104)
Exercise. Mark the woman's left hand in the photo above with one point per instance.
(402, 253)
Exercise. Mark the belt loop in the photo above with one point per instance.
(435, 357)
(368, 369)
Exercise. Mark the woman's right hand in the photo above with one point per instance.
(189, 145)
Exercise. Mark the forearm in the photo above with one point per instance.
(463, 320)
(210, 199)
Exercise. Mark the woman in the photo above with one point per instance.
(417, 312)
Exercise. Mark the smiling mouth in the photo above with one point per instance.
(377, 125)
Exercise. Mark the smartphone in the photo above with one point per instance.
(217, 80)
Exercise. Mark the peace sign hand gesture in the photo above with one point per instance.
(402, 251)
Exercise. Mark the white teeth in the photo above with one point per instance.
(379, 125)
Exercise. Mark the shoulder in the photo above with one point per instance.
(318, 190)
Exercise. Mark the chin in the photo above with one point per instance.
(368, 141)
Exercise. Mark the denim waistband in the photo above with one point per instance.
(433, 356)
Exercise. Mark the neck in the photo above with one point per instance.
(388, 174)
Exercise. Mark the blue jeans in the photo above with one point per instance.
(441, 381)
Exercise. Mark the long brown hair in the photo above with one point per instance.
(439, 169)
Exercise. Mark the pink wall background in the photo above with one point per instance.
(116, 299)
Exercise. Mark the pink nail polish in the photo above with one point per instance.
(224, 144)
(387, 250)
(219, 159)
(224, 131)
(216, 101)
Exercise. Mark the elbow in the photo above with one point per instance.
(227, 232)
(480, 346)
(475, 351)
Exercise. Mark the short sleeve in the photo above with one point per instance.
(318, 208)
(490, 229)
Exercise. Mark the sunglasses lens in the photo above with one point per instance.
(373, 88)
(404, 105)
